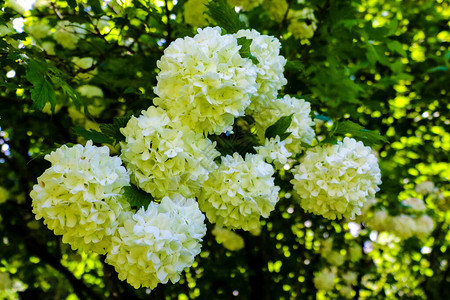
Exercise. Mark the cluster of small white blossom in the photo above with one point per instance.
(79, 196)
(228, 238)
(302, 23)
(239, 192)
(403, 225)
(324, 280)
(336, 180)
(165, 157)
(334, 257)
(156, 244)
(274, 151)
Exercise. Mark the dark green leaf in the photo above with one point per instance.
(95, 136)
(368, 137)
(245, 49)
(72, 3)
(225, 16)
(294, 65)
(437, 69)
(279, 128)
(396, 46)
(41, 93)
(113, 130)
(136, 197)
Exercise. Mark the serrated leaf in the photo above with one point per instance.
(136, 197)
(294, 65)
(113, 130)
(245, 49)
(279, 128)
(368, 137)
(396, 46)
(95, 136)
(225, 16)
(41, 93)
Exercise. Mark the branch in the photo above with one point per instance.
(168, 25)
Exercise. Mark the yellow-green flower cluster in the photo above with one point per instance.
(4, 195)
(270, 78)
(274, 151)
(324, 280)
(204, 81)
(165, 157)
(79, 196)
(239, 192)
(300, 128)
(195, 13)
(229, 239)
(156, 244)
(302, 23)
(5, 281)
(336, 180)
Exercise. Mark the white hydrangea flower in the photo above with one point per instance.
(335, 258)
(424, 226)
(239, 192)
(4, 195)
(324, 280)
(404, 226)
(165, 157)
(336, 180)
(155, 245)
(16, 5)
(299, 28)
(245, 5)
(300, 128)
(270, 66)
(68, 34)
(380, 221)
(82, 64)
(195, 13)
(425, 187)
(277, 9)
(79, 195)
(204, 81)
(274, 152)
(346, 291)
(90, 91)
(355, 252)
(326, 246)
(415, 204)
(229, 239)
(350, 277)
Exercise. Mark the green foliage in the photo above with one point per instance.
(225, 16)
(245, 49)
(93, 135)
(279, 128)
(358, 132)
(136, 197)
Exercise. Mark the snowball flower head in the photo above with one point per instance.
(336, 180)
(346, 291)
(79, 195)
(195, 13)
(164, 156)
(274, 151)
(276, 8)
(4, 195)
(239, 192)
(270, 66)
(5, 281)
(355, 252)
(380, 221)
(425, 187)
(67, 34)
(204, 81)
(404, 226)
(335, 258)
(415, 204)
(300, 128)
(229, 239)
(350, 277)
(324, 280)
(424, 226)
(245, 5)
(156, 244)
(297, 25)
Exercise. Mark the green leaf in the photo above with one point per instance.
(41, 93)
(245, 49)
(225, 16)
(437, 69)
(95, 136)
(136, 197)
(72, 3)
(396, 46)
(113, 130)
(368, 137)
(294, 65)
(279, 128)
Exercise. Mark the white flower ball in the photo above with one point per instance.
(79, 195)
(277, 9)
(229, 239)
(298, 26)
(415, 204)
(300, 128)
(239, 192)
(270, 67)
(346, 291)
(324, 280)
(335, 258)
(274, 152)
(156, 244)
(204, 81)
(380, 221)
(336, 180)
(404, 226)
(350, 277)
(425, 187)
(424, 226)
(165, 157)
(5, 282)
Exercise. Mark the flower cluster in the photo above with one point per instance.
(336, 180)
(302, 23)
(228, 238)
(165, 157)
(239, 192)
(204, 81)
(4, 195)
(79, 196)
(195, 13)
(324, 280)
(156, 244)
